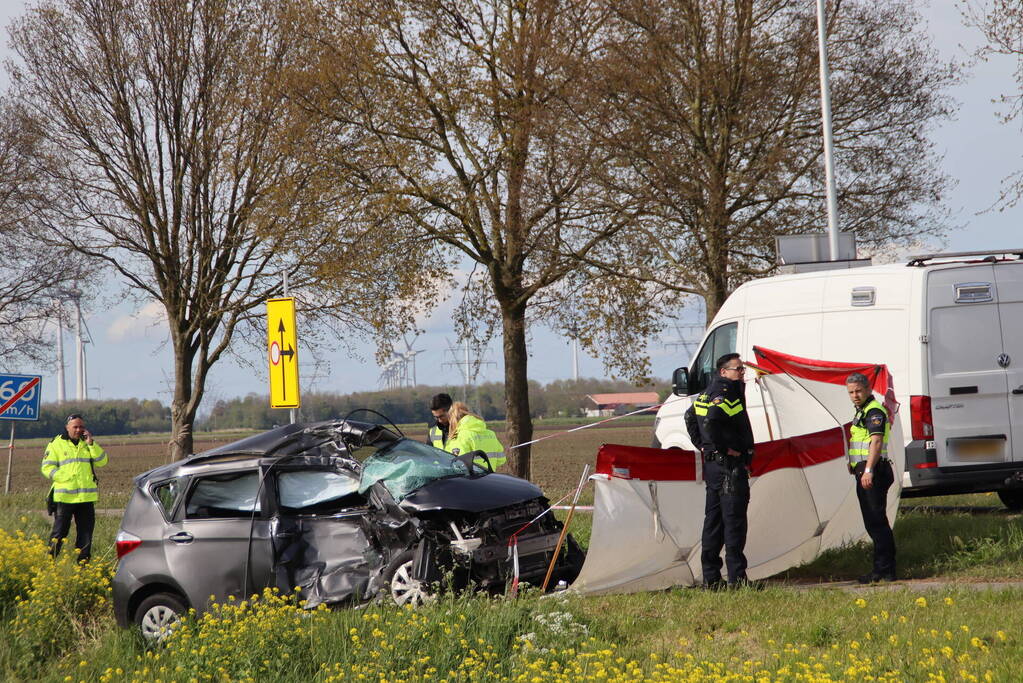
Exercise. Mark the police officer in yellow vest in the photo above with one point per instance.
(70, 463)
(868, 461)
(440, 404)
(468, 432)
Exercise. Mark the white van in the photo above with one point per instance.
(948, 326)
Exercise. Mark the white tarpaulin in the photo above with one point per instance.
(648, 503)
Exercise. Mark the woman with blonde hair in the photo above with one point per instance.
(467, 432)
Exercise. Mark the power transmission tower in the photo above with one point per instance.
(688, 337)
(468, 364)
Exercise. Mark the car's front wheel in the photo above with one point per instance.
(158, 614)
(400, 583)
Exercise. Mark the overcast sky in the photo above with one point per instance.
(128, 356)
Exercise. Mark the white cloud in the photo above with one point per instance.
(149, 322)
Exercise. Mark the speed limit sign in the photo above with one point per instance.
(19, 397)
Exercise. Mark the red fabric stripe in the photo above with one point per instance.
(832, 372)
(801, 451)
(635, 462)
(822, 370)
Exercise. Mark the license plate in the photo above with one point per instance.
(977, 449)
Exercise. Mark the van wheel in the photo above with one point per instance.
(1012, 499)
(402, 586)
(158, 614)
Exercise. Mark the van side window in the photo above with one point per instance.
(224, 495)
(718, 343)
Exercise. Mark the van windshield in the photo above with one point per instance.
(719, 342)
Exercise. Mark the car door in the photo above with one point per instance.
(324, 534)
(968, 381)
(219, 543)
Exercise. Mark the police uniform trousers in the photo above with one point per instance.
(724, 521)
(873, 505)
(84, 515)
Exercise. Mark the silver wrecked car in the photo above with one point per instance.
(343, 511)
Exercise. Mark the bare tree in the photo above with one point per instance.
(1001, 22)
(168, 158)
(34, 276)
(468, 121)
(722, 143)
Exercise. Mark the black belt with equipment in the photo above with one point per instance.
(713, 456)
(853, 466)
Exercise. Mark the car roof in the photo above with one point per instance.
(256, 444)
(284, 441)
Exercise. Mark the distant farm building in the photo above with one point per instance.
(606, 405)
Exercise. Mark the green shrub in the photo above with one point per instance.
(60, 610)
(21, 558)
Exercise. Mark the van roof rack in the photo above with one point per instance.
(990, 255)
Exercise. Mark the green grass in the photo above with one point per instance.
(953, 537)
(776, 631)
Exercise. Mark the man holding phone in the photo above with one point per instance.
(70, 464)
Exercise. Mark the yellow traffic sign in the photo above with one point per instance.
(282, 352)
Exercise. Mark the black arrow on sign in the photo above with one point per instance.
(290, 352)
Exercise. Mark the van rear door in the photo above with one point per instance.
(967, 385)
(1009, 282)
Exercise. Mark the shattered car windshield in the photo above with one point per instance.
(408, 465)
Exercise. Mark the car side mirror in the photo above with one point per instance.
(680, 382)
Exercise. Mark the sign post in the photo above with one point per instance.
(19, 400)
(282, 353)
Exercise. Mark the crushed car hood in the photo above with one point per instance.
(467, 494)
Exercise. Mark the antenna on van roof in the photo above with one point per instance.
(990, 255)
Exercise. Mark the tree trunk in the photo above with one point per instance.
(182, 406)
(516, 387)
(713, 299)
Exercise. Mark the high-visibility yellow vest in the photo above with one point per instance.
(436, 437)
(859, 436)
(473, 435)
(70, 467)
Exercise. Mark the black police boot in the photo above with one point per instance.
(875, 577)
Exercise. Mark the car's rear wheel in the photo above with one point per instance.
(402, 586)
(158, 614)
(1012, 499)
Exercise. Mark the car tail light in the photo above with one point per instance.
(920, 417)
(126, 542)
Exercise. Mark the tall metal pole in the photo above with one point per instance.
(85, 370)
(10, 460)
(829, 163)
(61, 393)
(575, 359)
(80, 353)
